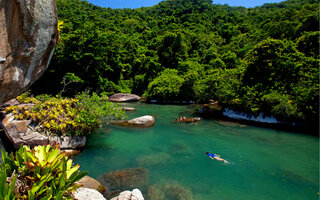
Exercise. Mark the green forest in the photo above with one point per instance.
(263, 59)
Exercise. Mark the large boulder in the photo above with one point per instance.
(87, 194)
(28, 32)
(144, 121)
(19, 132)
(120, 97)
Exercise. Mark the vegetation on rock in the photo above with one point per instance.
(81, 115)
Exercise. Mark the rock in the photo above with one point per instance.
(23, 132)
(120, 97)
(137, 195)
(87, 194)
(19, 133)
(189, 119)
(28, 32)
(127, 195)
(125, 179)
(12, 102)
(128, 109)
(176, 191)
(144, 121)
(153, 159)
(70, 152)
(180, 148)
(68, 142)
(88, 182)
(169, 191)
(155, 193)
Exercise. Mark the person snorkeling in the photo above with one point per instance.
(217, 157)
(182, 118)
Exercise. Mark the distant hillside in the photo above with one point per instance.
(256, 59)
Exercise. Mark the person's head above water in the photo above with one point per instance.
(207, 152)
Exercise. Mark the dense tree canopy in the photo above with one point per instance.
(257, 59)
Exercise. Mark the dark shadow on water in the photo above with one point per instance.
(295, 178)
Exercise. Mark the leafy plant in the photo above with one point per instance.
(63, 116)
(42, 173)
(6, 190)
(68, 79)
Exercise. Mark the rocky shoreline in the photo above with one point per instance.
(213, 110)
(26, 132)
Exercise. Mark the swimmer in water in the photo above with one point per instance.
(217, 157)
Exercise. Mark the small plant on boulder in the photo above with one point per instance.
(81, 115)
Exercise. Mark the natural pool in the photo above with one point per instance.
(264, 163)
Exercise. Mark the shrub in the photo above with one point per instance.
(81, 115)
(166, 86)
(39, 173)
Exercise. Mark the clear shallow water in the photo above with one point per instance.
(264, 163)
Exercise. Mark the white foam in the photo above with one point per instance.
(250, 117)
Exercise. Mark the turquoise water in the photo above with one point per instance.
(264, 163)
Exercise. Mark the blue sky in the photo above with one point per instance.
(148, 3)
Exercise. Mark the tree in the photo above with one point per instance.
(166, 86)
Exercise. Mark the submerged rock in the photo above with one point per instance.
(155, 193)
(128, 195)
(120, 97)
(87, 194)
(180, 148)
(125, 179)
(169, 191)
(70, 152)
(144, 121)
(89, 182)
(28, 37)
(153, 159)
(178, 192)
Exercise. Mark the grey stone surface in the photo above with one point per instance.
(120, 97)
(68, 142)
(22, 132)
(144, 121)
(88, 194)
(28, 32)
(130, 195)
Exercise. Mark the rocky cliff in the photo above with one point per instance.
(28, 35)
